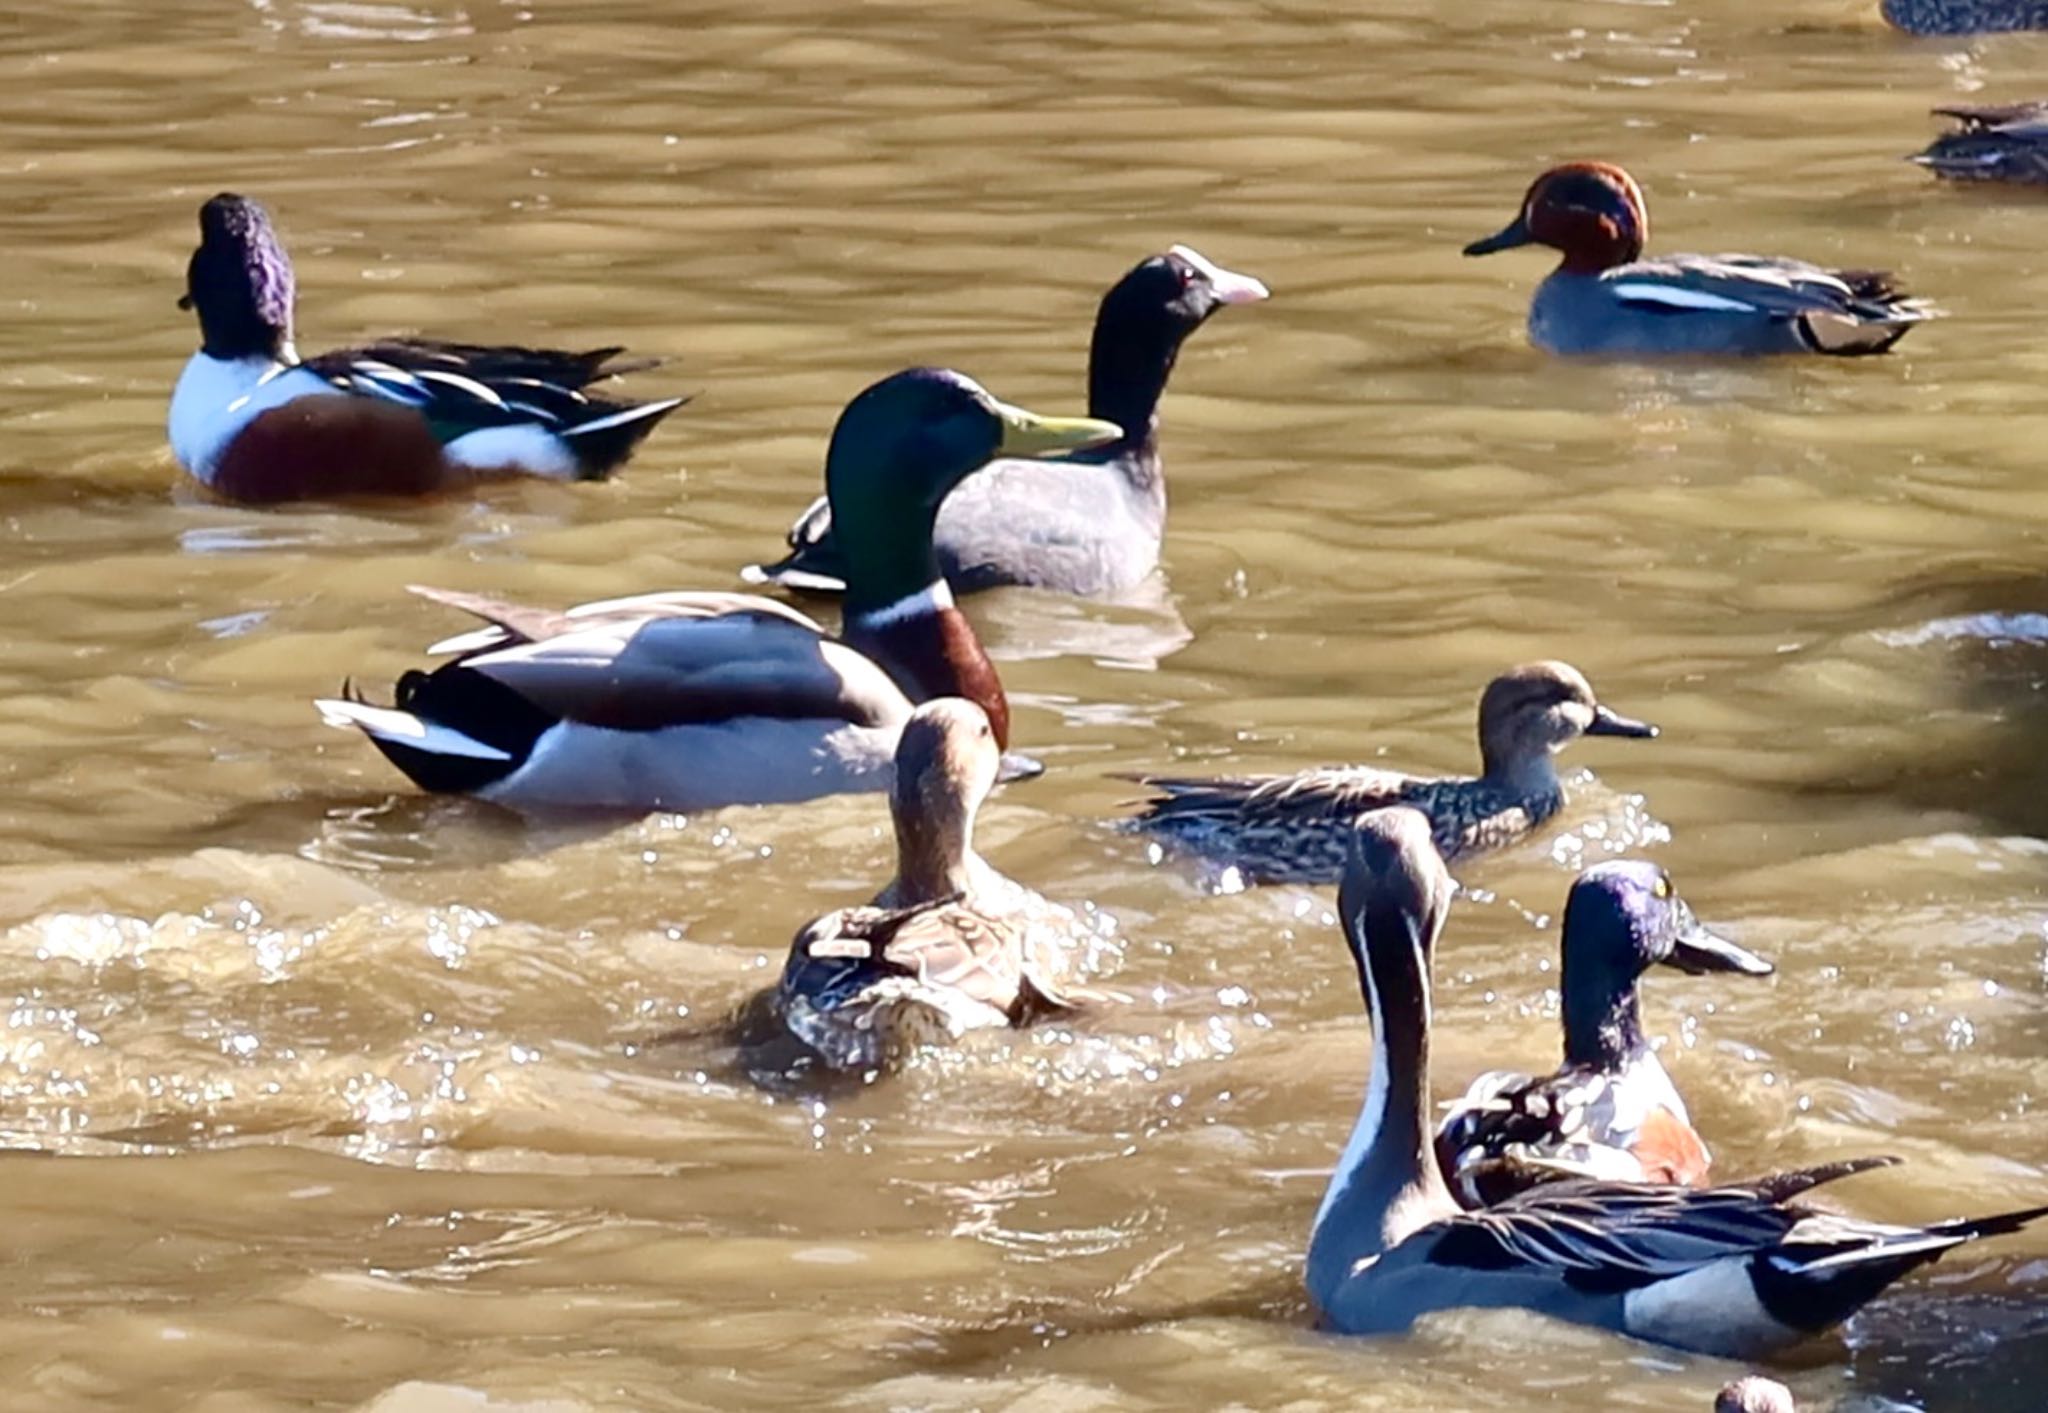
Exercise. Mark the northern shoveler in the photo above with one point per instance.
(690, 701)
(1605, 298)
(1088, 523)
(1609, 1110)
(255, 422)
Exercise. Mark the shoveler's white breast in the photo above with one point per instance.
(217, 397)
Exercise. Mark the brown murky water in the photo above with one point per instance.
(319, 1095)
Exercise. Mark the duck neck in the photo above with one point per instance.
(1387, 1182)
(1603, 1023)
(935, 856)
(928, 648)
(899, 609)
(1524, 773)
(1128, 365)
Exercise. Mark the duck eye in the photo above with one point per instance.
(1663, 889)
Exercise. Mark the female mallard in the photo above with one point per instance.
(2002, 142)
(1295, 828)
(950, 944)
(1605, 298)
(691, 701)
(1089, 523)
(1737, 1271)
(255, 422)
(1610, 1110)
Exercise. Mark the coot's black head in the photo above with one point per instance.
(1175, 292)
(240, 281)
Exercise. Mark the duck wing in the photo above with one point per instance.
(1337, 792)
(814, 564)
(1835, 311)
(463, 388)
(657, 660)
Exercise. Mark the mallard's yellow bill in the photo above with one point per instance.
(1028, 434)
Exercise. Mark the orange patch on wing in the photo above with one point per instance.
(326, 448)
(1669, 1150)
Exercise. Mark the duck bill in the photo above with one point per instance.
(1028, 434)
(1228, 286)
(1699, 950)
(1515, 233)
(1613, 723)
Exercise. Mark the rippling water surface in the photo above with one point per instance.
(320, 1095)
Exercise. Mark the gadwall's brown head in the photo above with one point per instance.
(946, 763)
(1529, 713)
(1590, 212)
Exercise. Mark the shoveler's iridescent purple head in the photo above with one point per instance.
(1591, 212)
(240, 281)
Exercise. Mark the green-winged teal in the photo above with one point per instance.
(949, 944)
(690, 701)
(1089, 523)
(1295, 828)
(255, 422)
(1609, 1110)
(1604, 298)
(1737, 1271)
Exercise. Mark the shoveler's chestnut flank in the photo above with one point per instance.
(1605, 298)
(1610, 1110)
(1739, 1271)
(1992, 142)
(1296, 828)
(1087, 523)
(950, 944)
(692, 701)
(256, 423)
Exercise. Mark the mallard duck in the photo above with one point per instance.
(1605, 298)
(255, 422)
(1089, 523)
(949, 944)
(1992, 142)
(1295, 828)
(1609, 1110)
(1738, 1271)
(691, 701)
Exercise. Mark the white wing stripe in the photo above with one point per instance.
(1678, 297)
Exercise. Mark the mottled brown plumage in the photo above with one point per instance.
(1295, 828)
(949, 944)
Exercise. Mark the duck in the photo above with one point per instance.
(1085, 524)
(255, 423)
(1610, 1110)
(1605, 299)
(1992, 142)
(1295, 828)
(686, 701)
(949, 944)
(1737, 1271)
(1964, 16)
(1753, 1393)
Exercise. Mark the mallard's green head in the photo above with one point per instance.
(901, 446)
